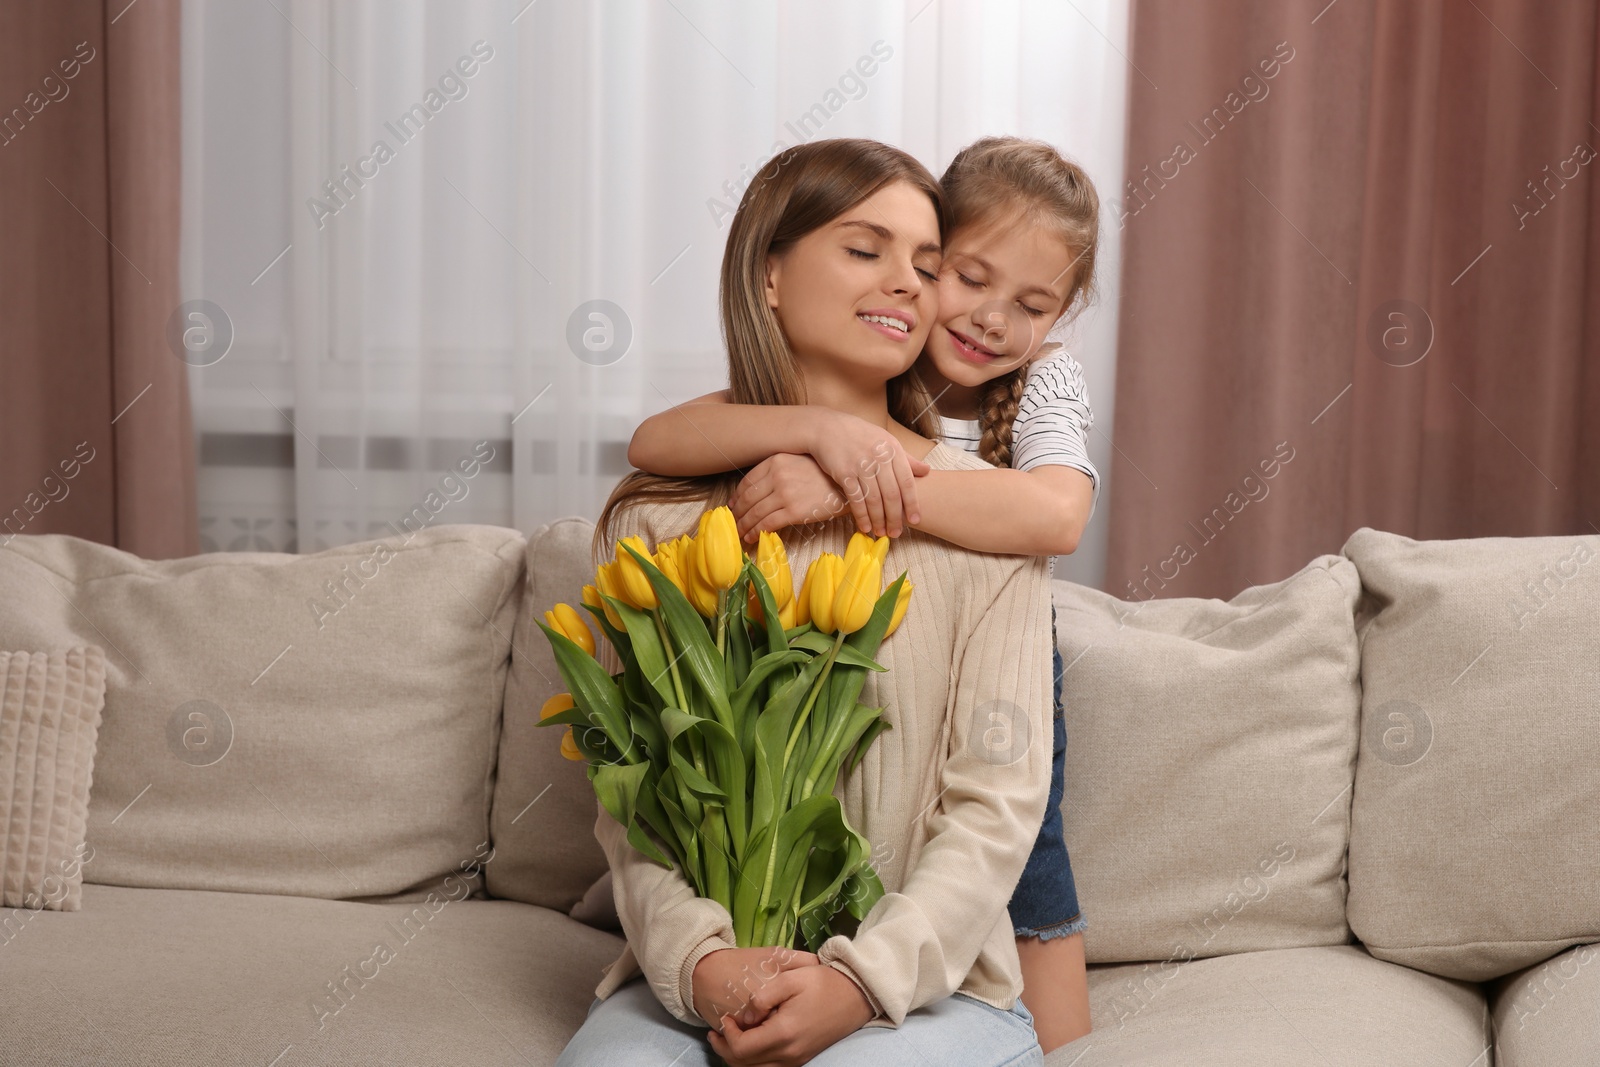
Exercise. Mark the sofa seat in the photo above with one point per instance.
(1549, 1013)
(1334, 1006)
(179, 977)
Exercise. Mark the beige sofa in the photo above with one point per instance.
(324, 829)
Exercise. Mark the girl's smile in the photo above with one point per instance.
(970, 350)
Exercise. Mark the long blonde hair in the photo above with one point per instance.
(798, 190)
(996, 178)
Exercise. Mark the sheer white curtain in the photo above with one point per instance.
(484, 236)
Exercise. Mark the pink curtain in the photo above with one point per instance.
(1361, 282)
(96, 438)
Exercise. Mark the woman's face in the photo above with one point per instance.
(1001, 288)
(857, 296)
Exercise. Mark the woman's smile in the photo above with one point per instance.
(891, 322)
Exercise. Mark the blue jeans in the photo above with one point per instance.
(1045, 902)
(631, 1027)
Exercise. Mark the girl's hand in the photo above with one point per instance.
(871, 467)
(725, 980)
(781, 491)
(805, 1010)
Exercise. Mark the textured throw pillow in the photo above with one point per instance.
(1476, 824)
(320, 725)
(1210, 750)
(49, 720)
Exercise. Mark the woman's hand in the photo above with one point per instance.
(726, 980)
(804, 1010)
(863, 468)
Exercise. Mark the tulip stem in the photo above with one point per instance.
(822, 681)
(672, 661)
(722, 620)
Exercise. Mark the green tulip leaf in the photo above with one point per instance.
(688, 632)
(641, 841)
(591, 687)
(769, 608)
(647, 649)
(617, 786)
(848, 655)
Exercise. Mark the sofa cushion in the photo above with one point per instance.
(321, 725)
(160, 976)
(1330, 1005)
(50, 707)
(1210, 751)
(544, 806)
(1549, 1013)
(1477, 810)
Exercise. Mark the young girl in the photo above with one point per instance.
(831, 231)
(1019, 256)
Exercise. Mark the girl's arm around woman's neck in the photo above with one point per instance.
(708, 435)
(1039, 512)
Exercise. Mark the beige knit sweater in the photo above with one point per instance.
(951, 797)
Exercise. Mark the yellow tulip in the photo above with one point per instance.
(772, 560)
(638, 590)
(900, 603)
(555, 705)
(823, 578)
(802, 599)
(666, 561)
(789, 615)
(610, 584)
(569, 747)
(702, 594)
(859, 542)
(565, 620)
(591, 596)
(720, 554)
(859, 586)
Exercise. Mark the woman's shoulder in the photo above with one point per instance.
(943, 457)
(654, 521)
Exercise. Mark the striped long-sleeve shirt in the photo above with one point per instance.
(1053, 421)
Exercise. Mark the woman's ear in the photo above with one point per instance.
(770, 285)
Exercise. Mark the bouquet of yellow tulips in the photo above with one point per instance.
(719, 743)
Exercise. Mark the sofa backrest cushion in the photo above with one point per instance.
(544, 807)
(319, 725)
(1210, 750)
(1477, 804)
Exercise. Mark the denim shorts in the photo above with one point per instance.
(1045, 902)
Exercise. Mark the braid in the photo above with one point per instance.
(997, 411)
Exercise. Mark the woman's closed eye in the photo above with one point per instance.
(928, 274)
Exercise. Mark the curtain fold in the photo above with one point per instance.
(95, 432)
(1361, 283)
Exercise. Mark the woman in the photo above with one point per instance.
(827, 297)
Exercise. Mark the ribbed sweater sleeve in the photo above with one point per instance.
(668, 927)
(917, 945)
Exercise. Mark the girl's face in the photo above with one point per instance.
(1001, 288)
(857, 296)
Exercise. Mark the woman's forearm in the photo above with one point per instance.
(1005, 511)
(710, 437)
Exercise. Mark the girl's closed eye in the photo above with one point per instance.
(971, 284)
